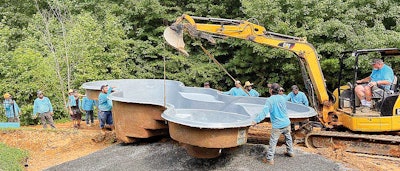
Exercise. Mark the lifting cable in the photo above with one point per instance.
(165, 94)
(220, 66)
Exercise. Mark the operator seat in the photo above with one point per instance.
(381, 93)
(383, 99)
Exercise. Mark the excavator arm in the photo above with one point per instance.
(217, 27)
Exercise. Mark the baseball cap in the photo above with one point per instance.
(237, 82)
(275, 87)
(206, 83)
(294, 87)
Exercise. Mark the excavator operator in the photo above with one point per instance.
(381, 77)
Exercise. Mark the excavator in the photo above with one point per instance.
(374, 133)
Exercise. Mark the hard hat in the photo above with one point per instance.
(247, 83)
(7, 95)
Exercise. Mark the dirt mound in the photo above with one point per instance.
(49, 147)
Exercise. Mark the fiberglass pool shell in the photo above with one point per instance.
(193, 106)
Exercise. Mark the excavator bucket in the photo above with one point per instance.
(174, 37)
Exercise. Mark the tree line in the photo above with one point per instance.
(54, 45)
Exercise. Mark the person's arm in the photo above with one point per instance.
(80, 104)
(387, 78)
(93, 104)
(50, 106)
(228, 92)
(305, 100)
(256, 93)
(34, 108)
(17, 109)
(364, 80)
(84, 101)
(109, 90)
(289, 96)
(261, 116)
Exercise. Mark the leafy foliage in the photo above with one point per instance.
(104, 39)
(11, 158)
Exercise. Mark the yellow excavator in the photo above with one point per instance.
(376, 132)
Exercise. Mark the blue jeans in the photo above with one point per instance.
(105, 117)
(89, 115)
(275, 133)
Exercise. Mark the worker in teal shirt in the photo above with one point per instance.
(87, 106)
(43, 107)
(249, 88)
(381, 78)
(105, 106)
(297, 96)
(12, 108)
(237, 90)
(275, 106)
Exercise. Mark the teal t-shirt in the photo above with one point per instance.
(276, 107)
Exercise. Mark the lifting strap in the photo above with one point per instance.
(220, 66)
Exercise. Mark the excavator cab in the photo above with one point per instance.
(383, 100)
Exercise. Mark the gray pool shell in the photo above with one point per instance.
(193, 106)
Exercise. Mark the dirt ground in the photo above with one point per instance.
(52, 147)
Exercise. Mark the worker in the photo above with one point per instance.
(43, 107)
(12, 109)
(87, 106)
(296, 96)
(282, 92)
(249, 88)
(382, 77)
(105, 106)
(275, 106)
(206, 85)
(73, 107)
(236, 91)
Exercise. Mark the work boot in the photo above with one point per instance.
(270, 162)
(289, 154)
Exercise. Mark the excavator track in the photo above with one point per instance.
(383, 145)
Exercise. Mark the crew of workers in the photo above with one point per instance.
(381, 77)
(77, 103)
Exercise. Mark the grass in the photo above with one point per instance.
(12, 158)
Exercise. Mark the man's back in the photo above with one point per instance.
(278, 112)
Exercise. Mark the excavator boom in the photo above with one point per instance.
(216, 27)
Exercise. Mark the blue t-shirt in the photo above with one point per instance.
(299, 98)
(276, 107)
(383, 74)
(87, 104)
(105, 104)
(234, 91)
(8, 106)
(42, 105)
(71, 101)
(254, 93)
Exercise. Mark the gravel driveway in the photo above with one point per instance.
(170, 156)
